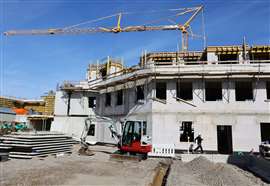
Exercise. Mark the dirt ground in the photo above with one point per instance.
(100, 170)
(201, 172)
(77, 170)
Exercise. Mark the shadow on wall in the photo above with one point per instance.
(255, 164)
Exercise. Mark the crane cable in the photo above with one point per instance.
(90, 21)
(187, 10)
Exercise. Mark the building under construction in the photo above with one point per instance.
(222, 93)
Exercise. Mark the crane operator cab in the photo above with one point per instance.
(134, 139)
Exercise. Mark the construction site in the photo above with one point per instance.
(144, 124)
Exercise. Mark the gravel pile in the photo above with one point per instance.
(199, 165)
(201, 171)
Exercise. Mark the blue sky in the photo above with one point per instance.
(33, 65)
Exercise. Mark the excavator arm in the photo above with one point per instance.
(84, 150)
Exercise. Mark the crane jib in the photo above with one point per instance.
(93, 30)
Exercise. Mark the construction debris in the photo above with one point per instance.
(31, 144)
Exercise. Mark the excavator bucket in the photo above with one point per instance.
(122, 156)
(85, 152)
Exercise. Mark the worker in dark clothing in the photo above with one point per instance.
(199, 143)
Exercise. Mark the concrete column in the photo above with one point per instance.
(212, 57)
(259, 91)
(232, 91)
(171, 91)
(60, 106)
(226, 91)
(198, 92)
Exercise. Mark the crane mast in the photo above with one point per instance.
(118, 29)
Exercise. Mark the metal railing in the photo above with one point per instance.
(160, 63)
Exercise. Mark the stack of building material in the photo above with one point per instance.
(49, 104)
(4, 153)
(29, 144)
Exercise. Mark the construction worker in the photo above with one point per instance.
(199, 143)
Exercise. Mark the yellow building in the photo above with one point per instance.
(44, 106)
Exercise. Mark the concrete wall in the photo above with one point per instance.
(164, 120)
(75, 125)
(60, 105)
(246, 133)
(79, 111)
(78, 103)
(244, 117)
(211, 56)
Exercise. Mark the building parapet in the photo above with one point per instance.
(205, 70)
(104, 67)
(215, 61)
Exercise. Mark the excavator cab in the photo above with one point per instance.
(134, 138)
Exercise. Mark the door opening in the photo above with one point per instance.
(224, 139)
(265, 131)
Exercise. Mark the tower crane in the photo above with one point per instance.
(184, 28)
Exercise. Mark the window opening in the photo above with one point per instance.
(265, 132)
(228, 57)
(91, 102)
(144, 128)
(108, 99)
(213, 91)
(139, 93)
(91, 131)
(243, 91)
(268, 90)
(161, 90)
(184, 90)
(186, 132)
(119, 97)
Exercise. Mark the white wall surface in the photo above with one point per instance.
(75, 125)
(164, 120)
(211, 56)
(243, 116)
(60, 106)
